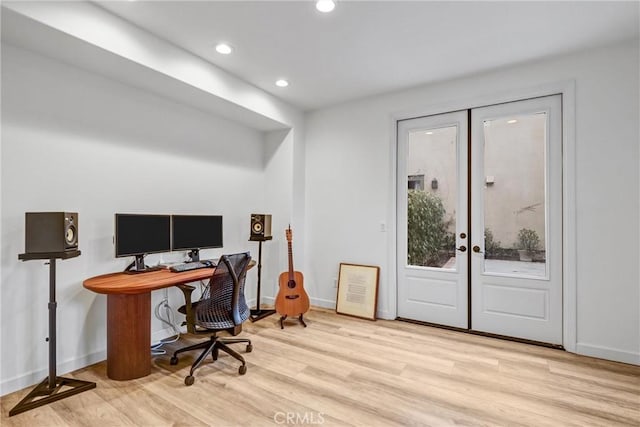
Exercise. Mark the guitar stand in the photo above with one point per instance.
(258, 313)
(283, 318)
(51, 389)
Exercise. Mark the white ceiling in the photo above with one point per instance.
(369, 47)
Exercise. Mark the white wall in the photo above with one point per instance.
(350, 179)
(75, 141)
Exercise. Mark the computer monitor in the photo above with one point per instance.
(141, 234)
(195, 232)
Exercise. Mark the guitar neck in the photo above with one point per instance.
(290, 260)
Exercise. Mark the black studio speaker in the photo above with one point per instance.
(260, 226)
(51, 232)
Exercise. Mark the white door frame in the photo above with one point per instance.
(569, 245)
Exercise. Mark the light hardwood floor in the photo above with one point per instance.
(345, 371)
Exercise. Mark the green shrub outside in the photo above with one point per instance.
(426, 228)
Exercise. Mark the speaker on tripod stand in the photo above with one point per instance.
(260, 232)
(51, 236)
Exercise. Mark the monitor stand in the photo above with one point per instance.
(138, 266)
(194, 255)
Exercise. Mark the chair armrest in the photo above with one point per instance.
(187, 290)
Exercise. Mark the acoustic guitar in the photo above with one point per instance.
(292, 299)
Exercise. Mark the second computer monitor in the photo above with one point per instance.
(195, 232)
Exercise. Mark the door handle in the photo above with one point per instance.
(462, 249)
(477, 250)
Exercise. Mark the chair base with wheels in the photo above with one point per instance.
(213, 346)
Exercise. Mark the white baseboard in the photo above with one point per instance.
(327, 303)
(608, 353)
(324, 303)
(386, 315)
(35, 377)
(318, 302)
(157, 336)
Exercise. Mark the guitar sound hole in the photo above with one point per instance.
(291, 284)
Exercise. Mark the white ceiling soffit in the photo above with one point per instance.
(27, 33)
(369, 47)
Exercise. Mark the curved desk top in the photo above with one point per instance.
(139, 283)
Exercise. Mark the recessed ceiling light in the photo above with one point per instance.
(325, 6)
(429, 133)
(282, 83)
(224, 48)
(512, 121)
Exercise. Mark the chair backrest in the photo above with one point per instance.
(223, 304)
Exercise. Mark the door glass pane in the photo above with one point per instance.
(514, 195)
(432, 197)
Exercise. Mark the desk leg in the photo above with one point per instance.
(128, 336)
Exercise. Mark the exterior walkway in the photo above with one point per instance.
(515, 267)
(508, 267)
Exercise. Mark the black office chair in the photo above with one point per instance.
(222, 307)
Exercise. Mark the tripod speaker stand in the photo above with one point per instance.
(53, 387)
(258, 313)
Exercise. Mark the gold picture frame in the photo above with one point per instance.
(358, 290)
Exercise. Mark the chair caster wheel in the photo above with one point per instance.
(242, 370)
(174, 360)
(189, 379)
(249, 348)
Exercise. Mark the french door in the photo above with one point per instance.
(432, 219)
(479, 213)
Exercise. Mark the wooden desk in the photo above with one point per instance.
(129, 316)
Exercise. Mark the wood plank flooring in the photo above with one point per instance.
(342, 371)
